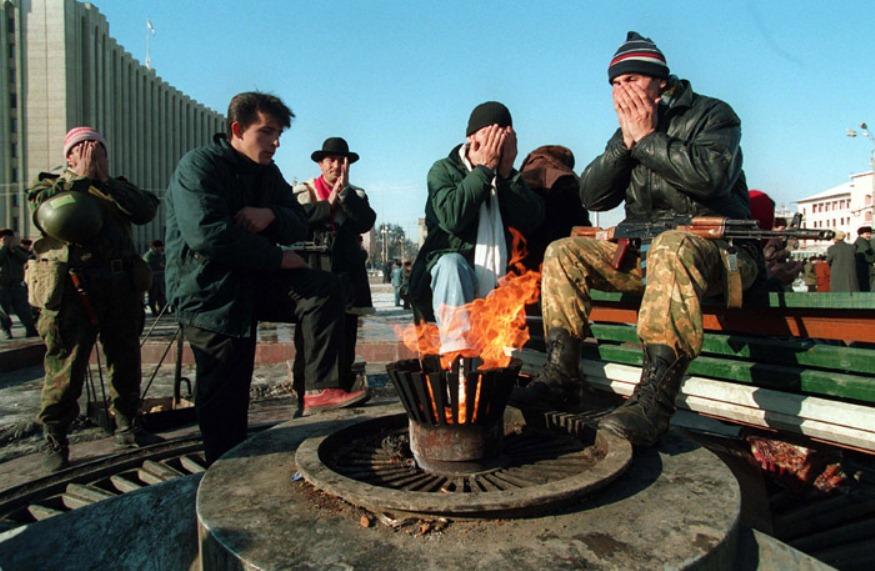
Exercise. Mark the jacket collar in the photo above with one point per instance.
(679, 94)
(239, 160)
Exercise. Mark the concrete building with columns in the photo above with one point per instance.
(61, 68)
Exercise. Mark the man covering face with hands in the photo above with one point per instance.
(474, 196)
(675, 153)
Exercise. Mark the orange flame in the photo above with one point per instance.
(495, 322)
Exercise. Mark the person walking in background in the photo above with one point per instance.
(339, 213)
(865, 256)
(84, 291)
(155, 258)
(841, 258)
(405, 283)
(13, 294)
(809, 274)
(397, 279)
(821, 270)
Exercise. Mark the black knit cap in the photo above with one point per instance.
(638, 55)
(486, 114)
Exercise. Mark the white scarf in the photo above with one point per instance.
(490, 252)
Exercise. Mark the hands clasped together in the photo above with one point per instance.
(495, 148)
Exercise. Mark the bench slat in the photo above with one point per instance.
(774, 300)
(791, 379)
(763, 350)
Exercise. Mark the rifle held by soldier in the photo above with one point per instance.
(630, 234)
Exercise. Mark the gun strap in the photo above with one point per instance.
(732, 287)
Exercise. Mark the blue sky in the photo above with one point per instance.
(398, 79)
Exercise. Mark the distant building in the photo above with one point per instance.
(61, 68)
(844, 207)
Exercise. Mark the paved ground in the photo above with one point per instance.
(20, 436)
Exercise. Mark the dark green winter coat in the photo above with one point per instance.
(452, 212)
(214, 265)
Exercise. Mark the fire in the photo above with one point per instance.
(495, 322)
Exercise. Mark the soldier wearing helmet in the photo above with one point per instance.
(88, 279)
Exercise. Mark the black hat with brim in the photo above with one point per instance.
(334, 146)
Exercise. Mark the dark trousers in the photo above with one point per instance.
(13, 299)
(309, 298)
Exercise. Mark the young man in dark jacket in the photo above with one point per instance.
(229, 210)
(474, 196)
(675, 152)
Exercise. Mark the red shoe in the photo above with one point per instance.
(330, 399)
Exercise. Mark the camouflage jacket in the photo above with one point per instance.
(123, 204)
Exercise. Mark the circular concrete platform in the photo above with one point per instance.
(676, 507)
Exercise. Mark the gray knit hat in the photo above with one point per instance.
(638, 55)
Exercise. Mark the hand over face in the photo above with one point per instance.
(636, 111)
(254, 219)
(485, 146)
(508, 153)
(89, 159)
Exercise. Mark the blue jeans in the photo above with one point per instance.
(452, 285)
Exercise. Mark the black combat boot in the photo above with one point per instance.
(558, 386)
(130, 434)
(645, 417)
(56, 452)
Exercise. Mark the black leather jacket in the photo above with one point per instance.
(691, 164)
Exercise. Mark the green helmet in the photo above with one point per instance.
(70, 216)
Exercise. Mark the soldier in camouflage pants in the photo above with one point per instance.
(108, 300)
(682, 269)
(675, 153)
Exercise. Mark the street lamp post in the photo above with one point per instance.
(865, 132)
(385, 233)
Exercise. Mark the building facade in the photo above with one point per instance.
(845, 207)
(62, 69)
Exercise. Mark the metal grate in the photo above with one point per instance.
(531, 459)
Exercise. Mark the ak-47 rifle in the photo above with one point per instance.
(631, 234)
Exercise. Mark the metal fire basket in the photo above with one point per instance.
(455, 414)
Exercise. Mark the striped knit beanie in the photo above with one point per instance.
(638, 55)
(78, 134)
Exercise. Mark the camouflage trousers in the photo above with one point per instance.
(69, 339)
(682, 269)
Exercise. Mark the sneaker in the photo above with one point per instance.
(330, 399)
(56, 455)
(135, 437)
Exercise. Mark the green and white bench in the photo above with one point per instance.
(782, 362)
